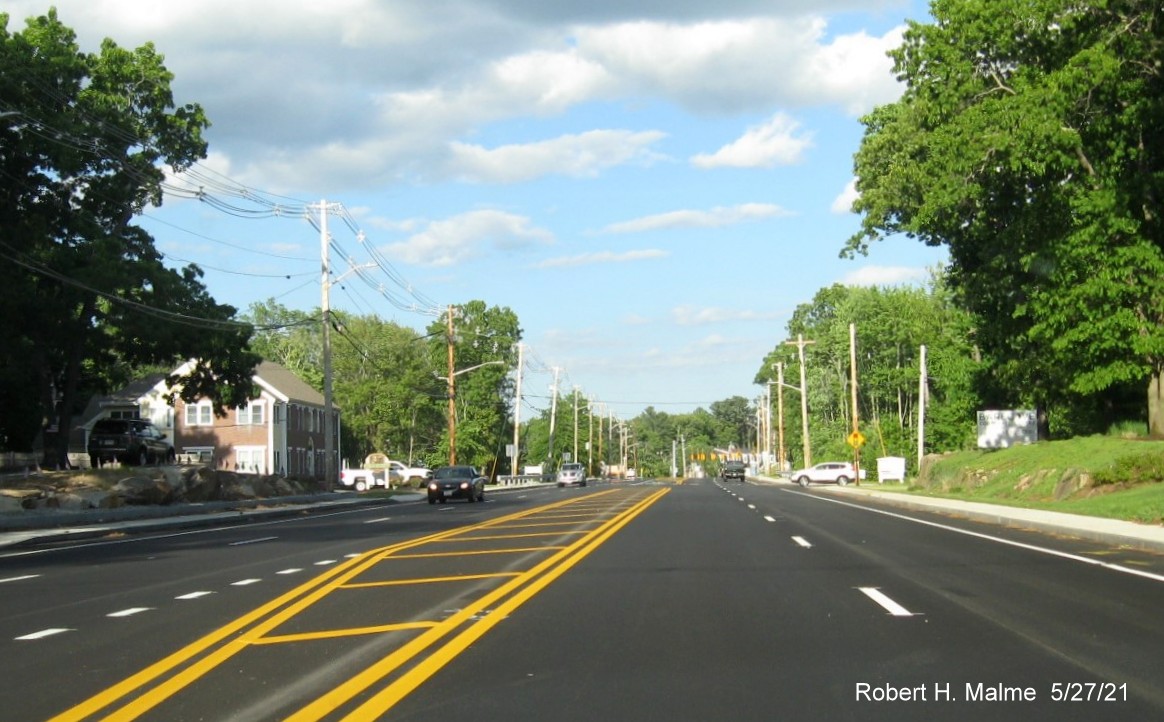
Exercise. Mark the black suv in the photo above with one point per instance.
(733, 470)
(131, 441)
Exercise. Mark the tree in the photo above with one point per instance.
(891, 325)
(1024, 142)
(485, 337)
(84, 139)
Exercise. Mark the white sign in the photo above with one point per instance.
(1001, 429)
(891, 468)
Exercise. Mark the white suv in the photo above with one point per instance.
(828, 472)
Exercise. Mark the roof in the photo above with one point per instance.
(280, 378)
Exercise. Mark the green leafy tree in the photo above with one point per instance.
(891, 325)
(1025, 143)
(485, 340)
(84, 142)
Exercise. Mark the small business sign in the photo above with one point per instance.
(1003, 428)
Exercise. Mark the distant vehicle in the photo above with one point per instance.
(379, 471)
(456, 482)
(733, 470)
(631, 474)
(130, 441)
(828, 472)
(572, 475)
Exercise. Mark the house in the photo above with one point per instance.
(279, 431)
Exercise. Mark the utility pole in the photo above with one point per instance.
(452, 393)
(590, 438)
(329, 450)
(780, 411)
(574, 458)
(922, 393)
(853, 386)
(517, 413)
(553, 413)
(800, 343)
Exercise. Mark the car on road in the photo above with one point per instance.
(572, 475)
(456, 482)
(733, 470)
(827, 472)
(130, 441)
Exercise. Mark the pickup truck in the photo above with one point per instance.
(733, 470)
(390, 474)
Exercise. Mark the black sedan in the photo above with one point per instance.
(456, 482)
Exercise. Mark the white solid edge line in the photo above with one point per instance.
(988, 537)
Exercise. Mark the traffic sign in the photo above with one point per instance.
(856, 439)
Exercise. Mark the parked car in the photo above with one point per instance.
(130, 441)
(456, 482)
(733, 470)
(572, 475)
(828, 472)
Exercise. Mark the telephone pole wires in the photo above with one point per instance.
(800, 343)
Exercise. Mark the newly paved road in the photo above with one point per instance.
(701, 601)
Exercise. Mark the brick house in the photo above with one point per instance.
(279, 431)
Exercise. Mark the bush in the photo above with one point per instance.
(1134, 469)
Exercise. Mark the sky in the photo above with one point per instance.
(652, 187)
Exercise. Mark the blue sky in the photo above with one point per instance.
(653, 186)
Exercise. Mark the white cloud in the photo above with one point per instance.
(886, 276)
(587, 259)
(463, 237)
(582, 155)
(762, 146)
(717, 217)
(692, 316)
(843, 203)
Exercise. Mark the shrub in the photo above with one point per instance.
(1137, 468)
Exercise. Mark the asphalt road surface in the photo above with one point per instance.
(697, 601)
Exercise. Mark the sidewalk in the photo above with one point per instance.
(1108, 531)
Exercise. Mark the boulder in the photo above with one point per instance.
(140, 490)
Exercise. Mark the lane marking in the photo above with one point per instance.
(252, 541)
(888, 604)
(377, 521)
(129, 612)
(245, 582)
(752, 507)
(193, 595)
(169, 675)
(325, 562)
(289, 571)
(484, 617)
(802, 542)
(19, 579)
(769, 519)
(988, 537)
(42, 634)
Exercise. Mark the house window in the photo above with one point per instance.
(250, 459)
(200, 414)
(125, 414)
(251, 415)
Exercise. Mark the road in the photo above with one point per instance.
(698, 601)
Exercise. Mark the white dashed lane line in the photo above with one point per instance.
(253, 541)
(193, 595)
(245, 582)
(19, 579)
(42, 634)
(129, 612)
(888, 604)
(289, 571)
(802, 542)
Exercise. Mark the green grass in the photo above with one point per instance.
(1108, 476)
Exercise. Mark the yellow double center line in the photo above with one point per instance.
(222, 644)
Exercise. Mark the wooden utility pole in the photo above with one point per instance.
(853, 385)
(517, 413)
(800, 343)
(922, 393)
(452, 393)
(780, 411)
